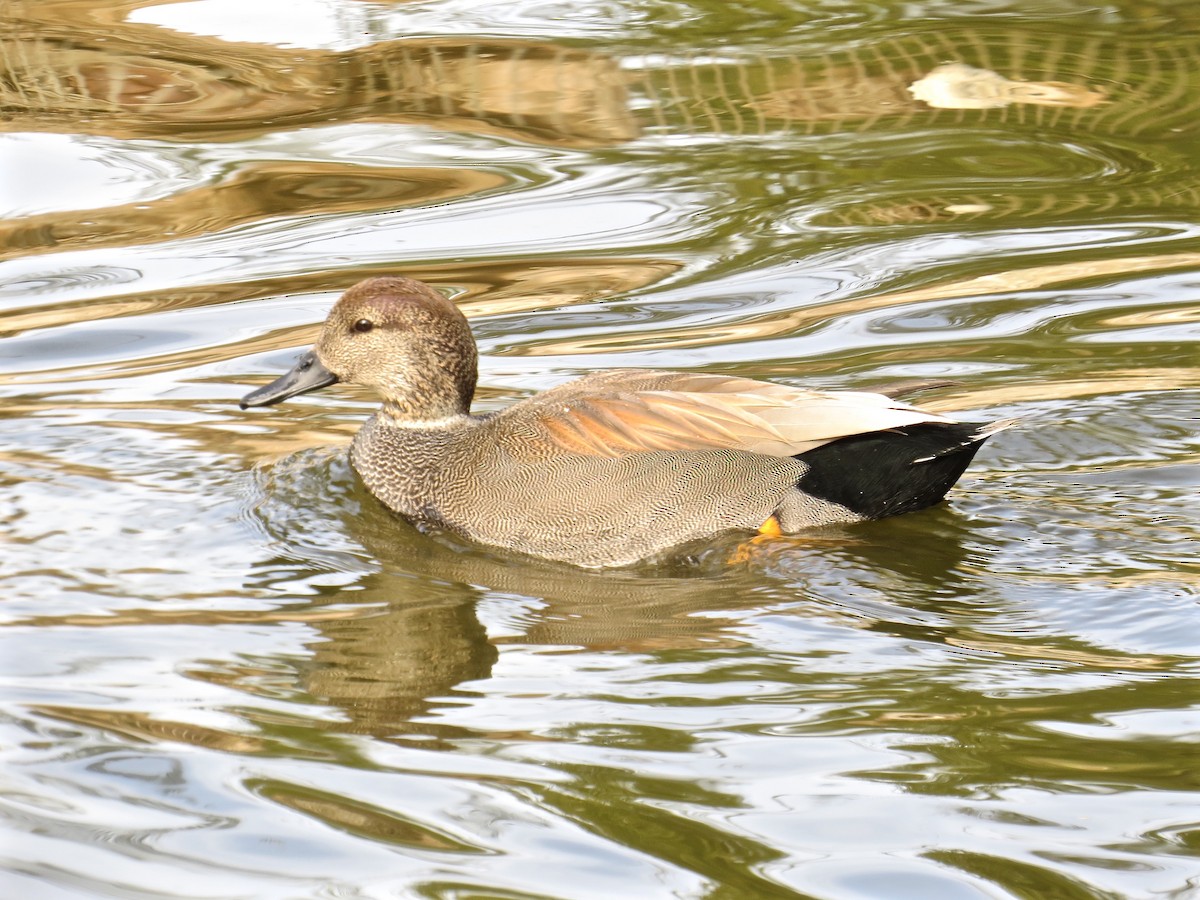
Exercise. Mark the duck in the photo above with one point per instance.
(618, 466)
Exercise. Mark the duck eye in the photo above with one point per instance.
(363, 325)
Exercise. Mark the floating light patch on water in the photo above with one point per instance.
(959, 86)
(963, 209)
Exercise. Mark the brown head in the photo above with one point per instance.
(398, 336)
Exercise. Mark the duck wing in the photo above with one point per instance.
(626, 411)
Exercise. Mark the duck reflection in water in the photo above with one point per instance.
(402, 635)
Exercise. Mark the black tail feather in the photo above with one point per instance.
(886, 473)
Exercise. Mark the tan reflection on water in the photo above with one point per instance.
(904, 87)
(144, 727)
(1179, 191)
(481, 288)
(157, 617)
(137, 80)
(379, 824)
(1181, 315)
(396, 647)
(789, 320)
(532, 285)
(133, 80)
(1111, 381)
(1061, 654)
(1074, 81)
(257, 191)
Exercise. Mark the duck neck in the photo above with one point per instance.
(436, 387)
(400, 416)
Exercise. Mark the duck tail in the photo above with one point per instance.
(976, 438)
(887, 473)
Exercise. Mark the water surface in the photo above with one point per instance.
(229, 673)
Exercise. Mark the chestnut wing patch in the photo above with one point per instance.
(779, 421)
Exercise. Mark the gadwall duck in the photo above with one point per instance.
(615, 466)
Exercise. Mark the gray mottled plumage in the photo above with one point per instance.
(615, 466)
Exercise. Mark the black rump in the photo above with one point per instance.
(886, 473)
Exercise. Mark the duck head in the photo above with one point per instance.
(398, 336)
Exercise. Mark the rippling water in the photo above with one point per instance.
(229, 673)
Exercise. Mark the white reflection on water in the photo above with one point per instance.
(590, 215)
(79, 172)
(316, 24)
